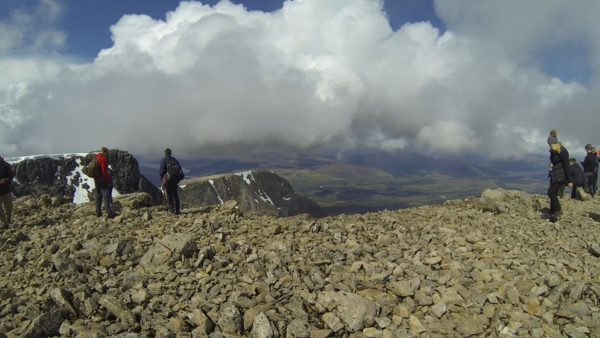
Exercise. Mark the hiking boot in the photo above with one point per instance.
(177, 212)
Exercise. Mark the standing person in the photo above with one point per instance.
(590, 169)
(171, 174)
(577, 178)
(559, 158)
(6, 206)
(103, 181)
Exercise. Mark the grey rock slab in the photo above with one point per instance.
(298, 328)
(169, 247)
(230, 319)
(594, 249)
(332, 321)
(113, 306)
(404, 288)
(63, 299)
(473, 325)
(262, 327)
(351, 308)
(201, 321)
(45, 325)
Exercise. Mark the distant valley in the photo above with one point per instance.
(367, 182)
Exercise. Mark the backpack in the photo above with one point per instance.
(92, 169)
(174, 171)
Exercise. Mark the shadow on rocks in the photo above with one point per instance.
(595, 216)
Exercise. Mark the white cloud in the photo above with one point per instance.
(313, 74)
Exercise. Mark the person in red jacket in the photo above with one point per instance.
(102, 183)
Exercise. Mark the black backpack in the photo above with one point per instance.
(174, 171)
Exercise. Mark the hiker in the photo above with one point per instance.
(170, 176)
(559, 158)
(553, 137)
(103, 181)
(590, 169)
(6, 206)
(577, 178)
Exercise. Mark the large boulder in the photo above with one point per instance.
(62, 176)
(256, 192)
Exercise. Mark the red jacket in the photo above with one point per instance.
(103, 163)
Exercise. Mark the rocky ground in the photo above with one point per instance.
(479, 267)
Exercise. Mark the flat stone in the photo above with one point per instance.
(332, 321)
(415, 325)
(113, 306)
(404, 288)
(262, 327)
(438, 309)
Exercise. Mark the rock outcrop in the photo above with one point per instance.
(62, 176)
(256, 192)
(480, 267)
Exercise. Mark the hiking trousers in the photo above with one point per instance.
(102, 196)
(553, 194)
(6, 208)
(173, 196)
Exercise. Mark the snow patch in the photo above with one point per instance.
(246, 176)
(264, 197)
(81, 194)
(212, 183)
(13, 160)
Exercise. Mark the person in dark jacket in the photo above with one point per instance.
(559, 158)
(102, 183)
(577, 178)
(171, 174)
(6, 206)
(590, 169)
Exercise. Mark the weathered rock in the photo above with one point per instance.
(404, 288)
(262, 327)
(63, 299)
(168, 248)
(351, 308)
(114, 307)
(46, 325)
(202, 322)
(298, 328)
(230, 319)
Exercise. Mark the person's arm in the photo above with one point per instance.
(163, 168)
(564, 158)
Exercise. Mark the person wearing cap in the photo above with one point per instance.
(590, 169)
(559, 159)
(553, 137)
(6, 206)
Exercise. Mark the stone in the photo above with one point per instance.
(230, 319)
(594, 249)
(415, 325)
(262, 327)
(298, 328)
(351, 308)
(332, 321)
(201, 321)
(570, 311)
(473, 325)
(404, 288)
(168, 248)
(372, 332)
(63, 299)
(573, 331)
(45, 325)
(438, 309)
(114, 307)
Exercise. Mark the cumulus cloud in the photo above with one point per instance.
(312, 75)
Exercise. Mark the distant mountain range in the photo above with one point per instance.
(371, 181)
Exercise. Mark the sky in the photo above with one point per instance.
(457, 77)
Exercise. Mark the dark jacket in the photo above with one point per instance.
(5, 172)
(576, 174)
(163, 165)
(590, 163)
(560, 161)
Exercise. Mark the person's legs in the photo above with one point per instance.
(107, 201)
(175, 193)
(170, 198)
(553, 194)
(100, 195)
(5, 209)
